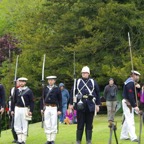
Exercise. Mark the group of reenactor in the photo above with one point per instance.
(84, 97)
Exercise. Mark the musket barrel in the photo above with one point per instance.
(43, 67)
(16, 68)
(130, 51)
(74, 87)
(132, 65)
(43, 85)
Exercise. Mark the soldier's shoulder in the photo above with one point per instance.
(1, 86)
(130, 84)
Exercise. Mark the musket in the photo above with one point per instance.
(132, 65)
(43, 87)
(141, 118)
(118, 106)
(111, 132)
(15, 79)
(16, 67)
(15, 87)
(74, 87)
(12, 122)
(113, 128)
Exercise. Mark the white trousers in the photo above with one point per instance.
(50, 122)
(128, 127)
(20, 124)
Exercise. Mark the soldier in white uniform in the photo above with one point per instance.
(21, 102)
(51, 107)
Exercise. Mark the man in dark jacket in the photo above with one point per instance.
(22, 100)
(129, 105)
(88, 101)
(110, 94)
(51, 107)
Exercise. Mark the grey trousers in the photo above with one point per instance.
(111, 107)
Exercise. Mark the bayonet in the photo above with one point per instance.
(43, 86)
(74, 88)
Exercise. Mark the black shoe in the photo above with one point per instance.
(89, 142)
(125, 139)
(52, 142)
(48, 142)
(23, 143)
(14, 141)
(88, 136)
(79, 134)
(135, 140)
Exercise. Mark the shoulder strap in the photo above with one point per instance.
(49, 92)
(92, 81)
(23, 94)
(85, 85)
(23, 100)
(78, 82)
(25, 91)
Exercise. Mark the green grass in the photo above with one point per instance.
(66, 133)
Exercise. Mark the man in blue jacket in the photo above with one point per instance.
(65, 98)
(88, 101)
(129, 105)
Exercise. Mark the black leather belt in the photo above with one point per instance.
(20, 106)
(52, 105)
(87, 97)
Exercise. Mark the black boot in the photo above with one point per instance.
(88, 136)
(48, 142)
(14, 141)
(79, 134)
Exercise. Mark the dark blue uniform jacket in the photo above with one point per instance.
(54, 97)
(28, 98)
(85, 91)
(129, 91)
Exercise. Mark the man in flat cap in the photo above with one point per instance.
(51, 107)
(22, 100)
(129, 105)
(110, 94)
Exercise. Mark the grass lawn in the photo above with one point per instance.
(66, 133)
